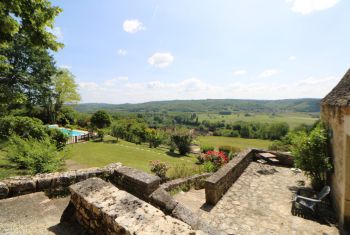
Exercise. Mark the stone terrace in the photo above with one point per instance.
(257, 203)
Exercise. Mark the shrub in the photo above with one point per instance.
(183, 171)
(206, 148)
(58, 138)
(217, 158)
(159, 168)
(37, 156)
(25, 127)
(311, 154)
(182, 139)
(209, 167)
(229, 151)
(100, 134)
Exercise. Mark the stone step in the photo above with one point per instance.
(104, 209)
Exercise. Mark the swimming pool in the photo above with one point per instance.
(72, 132)
(68, 131)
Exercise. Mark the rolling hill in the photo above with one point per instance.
(209, 105)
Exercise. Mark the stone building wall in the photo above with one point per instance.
(338, 119)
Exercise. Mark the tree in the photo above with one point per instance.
(118, 131)
(25, 62)
(311, 154)
(154, 137)
(101, 119)
(182, 139)
(65, 90)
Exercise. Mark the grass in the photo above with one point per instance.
(98, 154)
(233, 141)
(293, 119)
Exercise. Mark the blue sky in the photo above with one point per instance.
(137, 51)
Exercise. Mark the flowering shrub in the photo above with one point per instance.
(159, 168)
(217, 158)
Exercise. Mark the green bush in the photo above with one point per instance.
(209, 166)
(229, 151)
(206, 148)
(25, 127)
(58, 138)
(311, 154)
(37, 156)
(182, 139)
(101, 119)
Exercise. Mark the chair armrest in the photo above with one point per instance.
(307, 199)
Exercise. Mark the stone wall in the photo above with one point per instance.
(338, 119)
(217, 184)
(135, 181)
(164, 201)
(104, 209)
(196, 181)
(52, 183)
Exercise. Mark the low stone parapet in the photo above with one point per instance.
(219, 182)
(52, 183)
(104, 209)
(197, 181)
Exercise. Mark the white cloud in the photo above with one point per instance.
(122, 52)
(115, 81)
(239, 72)
(115, 91)
(305, 7)
(64, 66)
(133, 26)
(268, 73)
(161, 60)
(292, 58)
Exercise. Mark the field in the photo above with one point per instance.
(138, 156)
(293, 119)
(232, 141)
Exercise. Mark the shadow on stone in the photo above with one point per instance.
(267, 172)
(68, 228)
(206, 207)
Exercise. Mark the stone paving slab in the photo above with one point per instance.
(257, 204)
(35, 214)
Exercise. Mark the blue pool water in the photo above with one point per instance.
(68, 131)
(72, 132)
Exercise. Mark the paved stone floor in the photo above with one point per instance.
(257, 204)
(35, 214)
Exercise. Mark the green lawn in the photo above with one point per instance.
(138, 156)
(233, 141)
(97, 154)
(293, 119)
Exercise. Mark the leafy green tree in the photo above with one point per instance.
(182, 139)
(65, 91)
(118, 131)
(67, 116)
(25, 127)
(154, 137)
(25, 61)
(101, 119)
(311, 154)
(278, 130)
(58, 138)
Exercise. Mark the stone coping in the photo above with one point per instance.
(51, 183)
(137, 182)
(104, 209)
